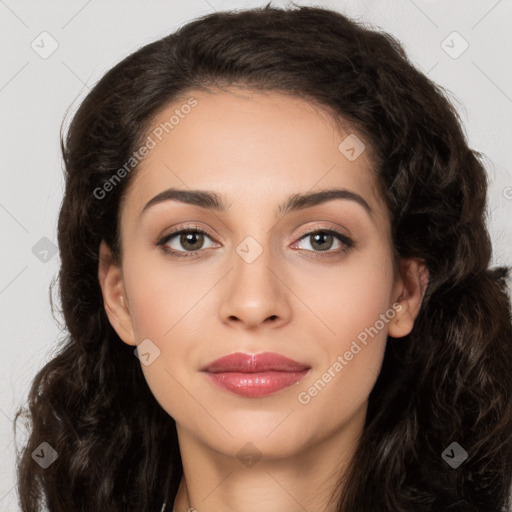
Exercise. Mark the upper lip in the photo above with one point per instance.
(254, 363)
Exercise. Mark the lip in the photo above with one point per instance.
(254, 363)
(255, 375)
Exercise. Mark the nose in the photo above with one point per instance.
(255, 292)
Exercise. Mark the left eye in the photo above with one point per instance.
(324, 239)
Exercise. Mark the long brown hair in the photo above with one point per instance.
(449, 381)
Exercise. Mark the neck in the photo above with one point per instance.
(306, 480)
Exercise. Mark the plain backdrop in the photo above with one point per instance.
(465, 46)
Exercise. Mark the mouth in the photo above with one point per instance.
(255, 375)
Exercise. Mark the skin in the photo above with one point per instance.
(256, 149)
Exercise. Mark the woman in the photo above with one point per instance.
(275, 280)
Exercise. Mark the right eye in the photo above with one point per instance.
(191, 236)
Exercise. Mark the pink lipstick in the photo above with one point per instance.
(255, 375)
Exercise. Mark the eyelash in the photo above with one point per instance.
(349, 243)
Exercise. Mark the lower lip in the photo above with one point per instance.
(256, 384)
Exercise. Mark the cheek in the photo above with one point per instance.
(350, 297)
(159, 299)
(356, 312)
(162, 305)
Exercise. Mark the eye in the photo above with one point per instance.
(322, 240)
(191, 238)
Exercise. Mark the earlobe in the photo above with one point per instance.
(114, 298)
(412, 285)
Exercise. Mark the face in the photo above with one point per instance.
(312, 281)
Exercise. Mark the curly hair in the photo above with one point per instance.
(449, 380)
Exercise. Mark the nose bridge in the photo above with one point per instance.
(252, 261)
(253, 254)
(254, 292)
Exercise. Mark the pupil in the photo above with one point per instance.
(188, 238)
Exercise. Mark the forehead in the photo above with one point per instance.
(250, 146)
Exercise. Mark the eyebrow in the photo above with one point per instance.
(212, 201)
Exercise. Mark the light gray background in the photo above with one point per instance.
(94, 35)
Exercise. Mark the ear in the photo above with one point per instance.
(114, 297)
(408, 292)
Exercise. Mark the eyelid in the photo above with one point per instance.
(323, 227)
